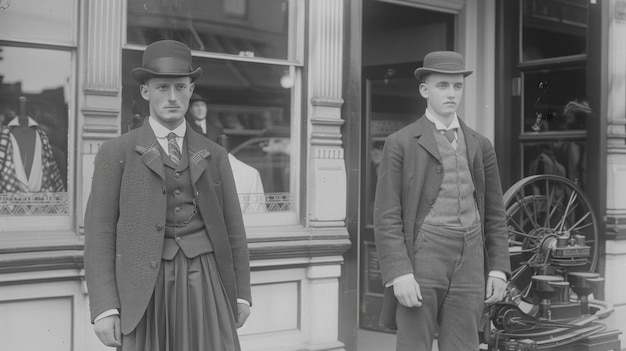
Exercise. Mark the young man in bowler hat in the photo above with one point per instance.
(166, 255)
(439, 219)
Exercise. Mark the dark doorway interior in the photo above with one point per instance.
(394, 42)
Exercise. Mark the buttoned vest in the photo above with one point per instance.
(184, 229)
(455, 205)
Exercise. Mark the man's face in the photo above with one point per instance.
(443, 93)
(198, 110)
(168, 99)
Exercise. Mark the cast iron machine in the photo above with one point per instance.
(550, 302)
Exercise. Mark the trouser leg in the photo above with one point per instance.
(462, 307)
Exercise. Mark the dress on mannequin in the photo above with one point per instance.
(27, 162)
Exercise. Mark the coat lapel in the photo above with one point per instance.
(197, 154)
(423, 132)
(148, 147)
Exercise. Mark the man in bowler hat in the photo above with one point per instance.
(166, 255)
(200, 120)
(439, 219)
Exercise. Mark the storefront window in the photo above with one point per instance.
(36, 20)
(235, 27)
(563, 158)
(556, 100)
(34, 134)
(553, 28)
(247, 93)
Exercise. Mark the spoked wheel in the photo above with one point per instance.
(541, 210)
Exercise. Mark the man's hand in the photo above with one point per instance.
(408, 293)
(495, 290)
(243, 312)
(108, 331)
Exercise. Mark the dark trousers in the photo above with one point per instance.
(449, 270)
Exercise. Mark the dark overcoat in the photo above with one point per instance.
(411, 172)
(125, 221)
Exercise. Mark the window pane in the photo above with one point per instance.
(237, 27)
(248, 110)
(562, 158)
(50, 20)
(553, 28)
(34, 134)
(556, 101)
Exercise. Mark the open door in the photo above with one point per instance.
(395, 39)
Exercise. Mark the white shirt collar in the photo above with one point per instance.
(440, 126)
(15, 122)
(161, 132)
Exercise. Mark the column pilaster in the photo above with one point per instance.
(327, 173)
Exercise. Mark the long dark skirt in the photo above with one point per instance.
(188, 311)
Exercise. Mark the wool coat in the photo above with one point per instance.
(125, 222)
(411, 173)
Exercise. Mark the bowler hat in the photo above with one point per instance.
(197, 97)
(446, 62)
(166, 58)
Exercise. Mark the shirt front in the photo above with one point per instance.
(442, 127)
(161, 134)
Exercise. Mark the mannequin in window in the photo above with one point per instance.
(247, 178)
(27, 162)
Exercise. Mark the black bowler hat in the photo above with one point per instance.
(166, 59)
(197, 97)
(446, 62)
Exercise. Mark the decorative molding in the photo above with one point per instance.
(40, 261)
(448, 6)
(101, 91)
(95, 112)
(309, 247)
(331, 153)
(329, 102)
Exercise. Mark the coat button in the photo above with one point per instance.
(159, 227)
(179, 239)
(177, 208)
(431, 202)
(177, 192)
(153, 265)
(439, 169)
(177, 174)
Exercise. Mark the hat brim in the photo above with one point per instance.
(421, 72)
(140, 74)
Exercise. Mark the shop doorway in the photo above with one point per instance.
(395, 40)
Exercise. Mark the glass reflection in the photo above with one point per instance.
(393, 103)
(237, 27)
(555, 101)
(34, 131)
(50, 20)
(553, 28)
(563, 158)
(244, 108)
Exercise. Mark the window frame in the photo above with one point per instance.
(296, 65)
(22, 233)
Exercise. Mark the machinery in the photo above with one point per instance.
(550, 302)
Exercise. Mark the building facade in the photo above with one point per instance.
(305, 93)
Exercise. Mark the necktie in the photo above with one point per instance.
(173, 149)
(450, 135)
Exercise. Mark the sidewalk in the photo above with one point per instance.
(368, 340)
